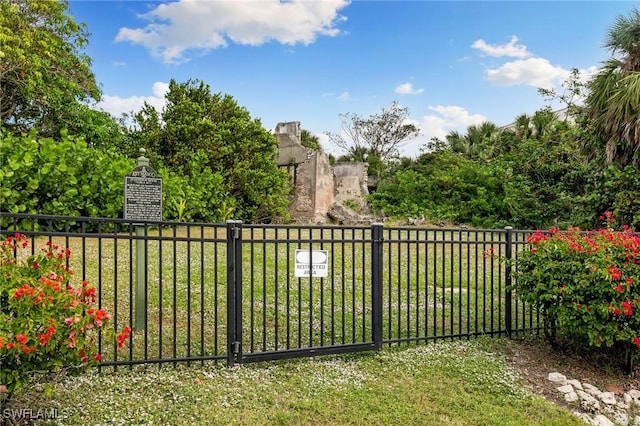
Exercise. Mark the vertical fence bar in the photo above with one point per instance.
(140, 303)
(288, 281)
(188, 265)
(175, 291)
(238, 291)
(507, 279)
(233, 343)
(252, 292)
(146, 292)
(160, 295)
(376, 283)
(276, 290)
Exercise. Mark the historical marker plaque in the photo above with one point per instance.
(143, 195)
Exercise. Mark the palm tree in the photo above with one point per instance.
(613, 103)
(523, 126)
(458, 143)
(481, 141)
(309, 140)
(543, 123)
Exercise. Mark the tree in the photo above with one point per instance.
(573, 92)
(613, 102)
(380, 136)
(42, 67)
(198, 130)
(309, 140)
(98, 128)
(480, 142)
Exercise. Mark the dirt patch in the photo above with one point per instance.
(534, 358)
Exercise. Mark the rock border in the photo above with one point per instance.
(596, 407)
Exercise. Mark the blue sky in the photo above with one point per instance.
(451, 63)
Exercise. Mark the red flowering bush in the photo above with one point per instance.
(587, 285)
(46, 323)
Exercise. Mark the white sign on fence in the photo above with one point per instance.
(312, 263)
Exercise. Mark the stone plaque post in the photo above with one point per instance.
(142, 204)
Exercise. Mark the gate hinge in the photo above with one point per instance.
(236, 348)
(236, 233)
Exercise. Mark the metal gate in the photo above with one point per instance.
(275, 315)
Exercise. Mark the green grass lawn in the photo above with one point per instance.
(445, 383)
(450, 383)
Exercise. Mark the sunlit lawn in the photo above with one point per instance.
(435, 289)
(452, 383)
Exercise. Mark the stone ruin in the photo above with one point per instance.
(322, 193)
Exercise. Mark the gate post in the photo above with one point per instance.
(376, 283)
(507, 278)
(234, 291)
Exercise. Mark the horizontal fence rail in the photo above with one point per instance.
(196, 292)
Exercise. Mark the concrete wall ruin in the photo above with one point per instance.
(319, 188)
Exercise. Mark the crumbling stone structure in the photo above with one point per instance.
(322, 193)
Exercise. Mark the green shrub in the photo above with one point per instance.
(46, 323)
(587, 286)
(66, 177)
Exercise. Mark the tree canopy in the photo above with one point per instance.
(200, 130)
(376, 138)
(42, 67)
(613, 103)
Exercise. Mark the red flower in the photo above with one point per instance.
(636, 340)
(608, 217)
(614, 273)
(21, 338)
(489, 253)
(619, 288)
(537, 237)
(576, 247)
(123, 336)
(628, 307)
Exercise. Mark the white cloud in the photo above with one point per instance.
(532, 71)
(447, 118)
(536, 72)
(344, 96)
(586, 74)
(159, 89)
(180, 29)
(116, 106)
(511, 49)
(407, 89)
(323, 139)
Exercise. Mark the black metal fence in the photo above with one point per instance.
(229, 292)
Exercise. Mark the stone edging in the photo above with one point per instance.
(600, 408)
